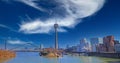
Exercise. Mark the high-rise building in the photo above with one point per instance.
(116, 42)
(83, 46)
(101, 48)
(94, 42)
(67, 46)
(108, 41)
(117, 48)
(41, 46)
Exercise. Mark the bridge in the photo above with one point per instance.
(24, 48)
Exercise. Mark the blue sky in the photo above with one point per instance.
(23, 21)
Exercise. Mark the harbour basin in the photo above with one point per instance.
(33, 57)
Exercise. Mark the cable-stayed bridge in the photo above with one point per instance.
(28, 47)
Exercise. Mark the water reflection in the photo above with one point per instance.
(35, 58)
(114, 62)
(109, 60)
(3, 60)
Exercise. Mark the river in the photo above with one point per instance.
(32, 57)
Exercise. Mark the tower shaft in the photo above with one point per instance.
(56, 39)
(5, 45)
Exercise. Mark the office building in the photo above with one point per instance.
(109, 42)
(117, 48)
(94, 42)
(83, 46)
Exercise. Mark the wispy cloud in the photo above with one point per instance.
(1, 25)
(33, 4)
(69, 11)
(17, 42)
(9, 28)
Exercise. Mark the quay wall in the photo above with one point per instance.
(110, 55)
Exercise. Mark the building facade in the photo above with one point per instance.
(109, 42)
(94, 43)
(117, 48)
(101, 48)
(83, 46)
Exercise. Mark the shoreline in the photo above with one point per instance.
(7, 54)
(108, 55)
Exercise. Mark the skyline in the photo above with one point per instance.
(99, 22)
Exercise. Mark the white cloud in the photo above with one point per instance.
(17, 42)
(82, 8)
(38, 26)
(73, 10)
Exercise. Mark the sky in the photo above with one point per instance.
(32, 21)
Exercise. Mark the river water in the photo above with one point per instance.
(31, 57)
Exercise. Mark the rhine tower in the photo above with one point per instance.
(56, 35)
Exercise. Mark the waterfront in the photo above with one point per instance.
(31, 57)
